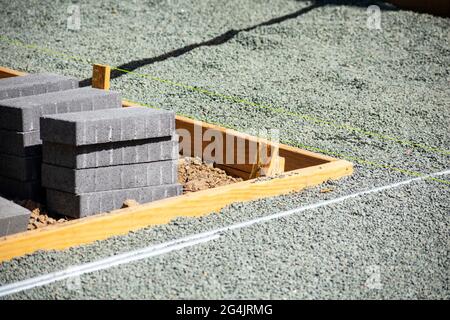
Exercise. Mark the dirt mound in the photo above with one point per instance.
(196, 175)
(39, 217)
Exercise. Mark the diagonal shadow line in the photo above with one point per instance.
(220, 39)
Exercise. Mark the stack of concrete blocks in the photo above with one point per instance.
(20, 144)
(19, 137)
(94, 161)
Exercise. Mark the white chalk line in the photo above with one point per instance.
(178, 244)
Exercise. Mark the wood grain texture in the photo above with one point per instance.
(194, 204)
(6, 73)
(295, 158)
(101, 76)
(436, 7)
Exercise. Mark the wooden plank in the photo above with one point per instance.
(6, 73)
(101, 76)
(194, 204)
(285, 150)
(234, 172)
(267, 161)
(308, 169)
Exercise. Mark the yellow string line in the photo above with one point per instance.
(278, 110)
(52, 52)
(328, 152)
(340, 155)
(286, 112)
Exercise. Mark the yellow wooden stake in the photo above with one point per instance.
(101, 75)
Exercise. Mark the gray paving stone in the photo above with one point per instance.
(109, 178)
(110, 154)
(34, 84)
(13, 218)
(21, 189)
(20, 168)
(103, 126)
(20, 143)
(82, 205)
(22, 114)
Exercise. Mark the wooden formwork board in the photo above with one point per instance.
(302, 169)
(6, 73)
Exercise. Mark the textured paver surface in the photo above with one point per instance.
(22, 114)
(13, 218)
(109, 178)
(110, 154)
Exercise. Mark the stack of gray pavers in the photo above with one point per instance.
(94, 161)
(20, 150)
(25, 100)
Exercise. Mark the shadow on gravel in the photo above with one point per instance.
(220, 39)
(228, 35)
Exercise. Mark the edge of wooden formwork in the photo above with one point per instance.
(6, 73)
(120, 222)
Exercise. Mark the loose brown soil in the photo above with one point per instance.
(39, 217)
(193, 174)
(196, 175)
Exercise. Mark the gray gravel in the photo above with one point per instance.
(325, 63)
(323, 253)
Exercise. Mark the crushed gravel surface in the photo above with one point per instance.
(379, 98)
